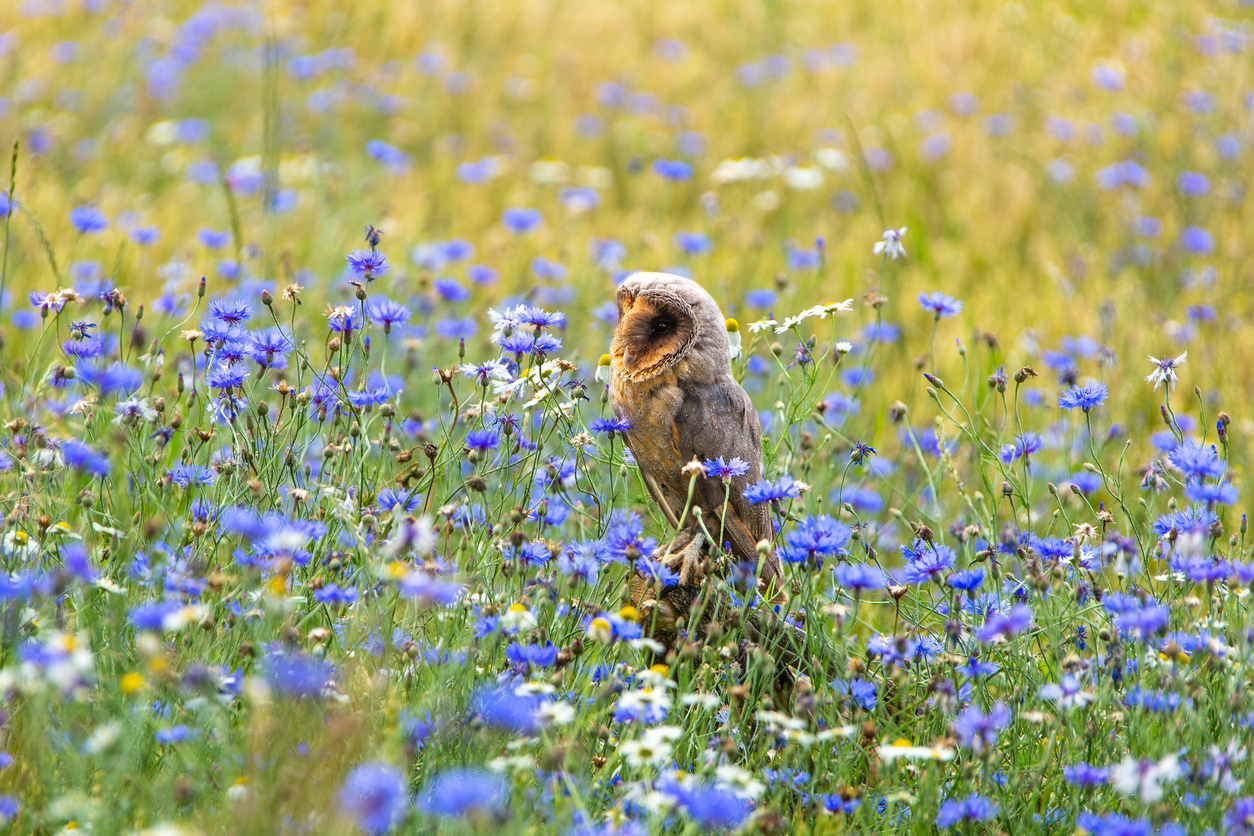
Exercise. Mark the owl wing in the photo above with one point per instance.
(718, 419)
(659, 496)
(647, 449)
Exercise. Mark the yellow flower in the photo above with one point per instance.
(131, 683)
(600, 630)
(628, 613)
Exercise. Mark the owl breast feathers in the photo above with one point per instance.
(671, 381)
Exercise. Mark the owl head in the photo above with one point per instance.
(663, 320)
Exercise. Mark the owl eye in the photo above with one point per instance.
(661, 326)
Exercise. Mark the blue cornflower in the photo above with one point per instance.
(1200, 313)
(227, 377)
(232, 312)
(77, 563)
(82, 457)
(1192, 184)
(46, 303)
(710, 807)
(332, 594)
(1197, 240)
(1025, 445)
(1001, 625)
(516, 343)
(657, 571)
(88, 220)
(1196, 460)
(1085, 481)
(117, 379)
(297, 674)
(972, 808)
(545, 344)
(375, 796)
(726, 470)
(192, 475)
(1156, 701)
(976, 668)
(368, 264)
(342, 318)
(1126, 173)
(1239, 819)
(1223, 493)
(461, 792)
(693, 243)
(539, 317)
(268, 345)
(1206, 570)
(175, 734)
(531, 553)
(928, 565)
(483, 440)
(609, 425)
(213, 239)
(1084, 775)
(144, 236)
(935, 146)
(392, 157)
(389, 499)
(84, 349)
(673, 170)
(1143, 623)
(859, 576)
(579, 199)
(940, 304)
(547, 270)
(532, 655)
(861, 452)
(233, 350)
(976, 729)
(583, 561)
(966, 581)
(1091, 394)
(861, 693)
(387, 312)
(818, 537)
(365, 398)
(416, 730)
(799, 259)
(450, 290)
(521, 221)
(452, 328)
(761, 298)
(785, 488)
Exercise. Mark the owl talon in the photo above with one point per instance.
(688, 560)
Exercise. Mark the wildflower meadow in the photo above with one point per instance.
(316, 518)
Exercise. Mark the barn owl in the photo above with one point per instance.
(671, 381)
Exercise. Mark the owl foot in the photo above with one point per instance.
(687, 559)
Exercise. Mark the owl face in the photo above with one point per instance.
(663, 319)
(655, 329)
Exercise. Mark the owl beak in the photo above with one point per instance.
(626, 358)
